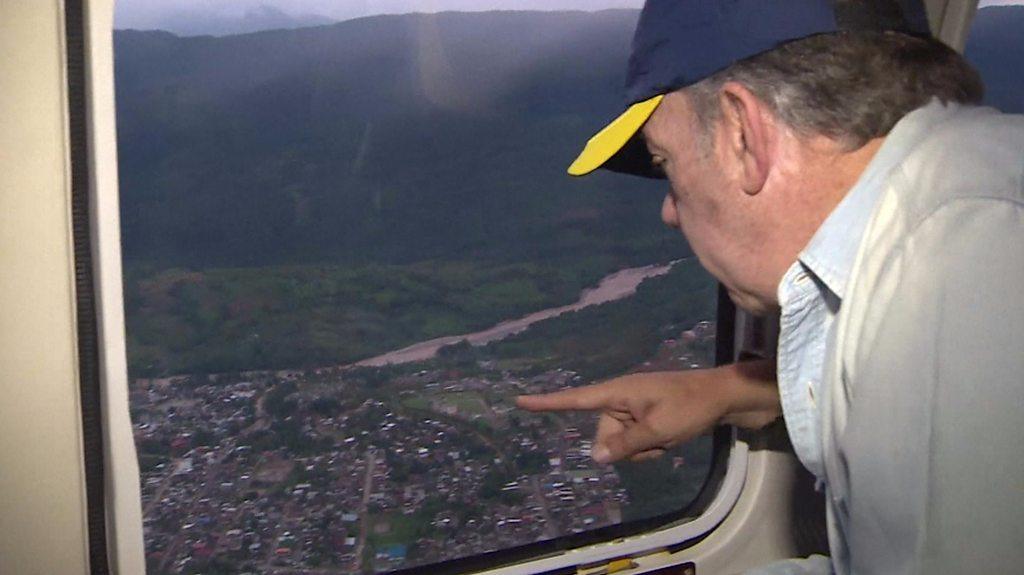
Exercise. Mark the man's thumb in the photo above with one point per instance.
(624, 444)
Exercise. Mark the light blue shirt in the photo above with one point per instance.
(900, 353)
(810, 295)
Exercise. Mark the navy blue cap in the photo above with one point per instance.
(680, 42)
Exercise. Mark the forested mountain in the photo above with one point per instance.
(212, 19)
(316, 196)
(996, 48)
(390, 139)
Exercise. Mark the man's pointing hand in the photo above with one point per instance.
(642, 415)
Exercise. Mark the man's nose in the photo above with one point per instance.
(668, 212)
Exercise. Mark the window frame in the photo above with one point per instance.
(126, 546)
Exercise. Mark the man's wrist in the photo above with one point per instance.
(750, 393)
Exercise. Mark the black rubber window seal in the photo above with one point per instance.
(85, 289)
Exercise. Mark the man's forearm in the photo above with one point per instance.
(751, 393)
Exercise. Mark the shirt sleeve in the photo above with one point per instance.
(934, 443)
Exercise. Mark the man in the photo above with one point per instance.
(845, 177)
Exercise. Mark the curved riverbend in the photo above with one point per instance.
(618, 285)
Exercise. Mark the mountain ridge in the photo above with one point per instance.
(196, 23)
(443, 135)
(996, 49)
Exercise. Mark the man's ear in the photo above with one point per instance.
(749, 134)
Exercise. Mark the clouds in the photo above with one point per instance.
(984, 3)
(203, 16)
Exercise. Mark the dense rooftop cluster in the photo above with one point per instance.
(346, 471)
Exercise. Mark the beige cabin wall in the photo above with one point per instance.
(42, 501)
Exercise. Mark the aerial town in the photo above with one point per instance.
(342, 470)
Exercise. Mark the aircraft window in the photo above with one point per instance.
(995, 48)
(347, 247)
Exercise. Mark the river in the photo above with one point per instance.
(618, 285)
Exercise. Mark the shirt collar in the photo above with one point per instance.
(831, 252)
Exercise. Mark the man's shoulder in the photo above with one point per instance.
(943, 255)
(959, 187)
(976, 153)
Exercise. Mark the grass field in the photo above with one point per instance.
(469, 403)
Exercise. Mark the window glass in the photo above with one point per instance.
(995, 47)
(348, 245)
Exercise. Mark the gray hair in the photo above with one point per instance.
(849, 86)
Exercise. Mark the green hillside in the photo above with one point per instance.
(387, 139)
(996, 49)
(369, 152)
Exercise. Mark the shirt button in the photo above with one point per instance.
(801, 278)
(810, 392)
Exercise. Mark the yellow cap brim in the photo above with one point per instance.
(613, 137)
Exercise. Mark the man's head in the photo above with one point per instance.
(759, 152)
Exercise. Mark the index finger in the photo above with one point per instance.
(587, 398)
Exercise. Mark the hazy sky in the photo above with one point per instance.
(151, 13)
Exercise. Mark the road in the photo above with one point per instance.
(364, 510)
(550, 527)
